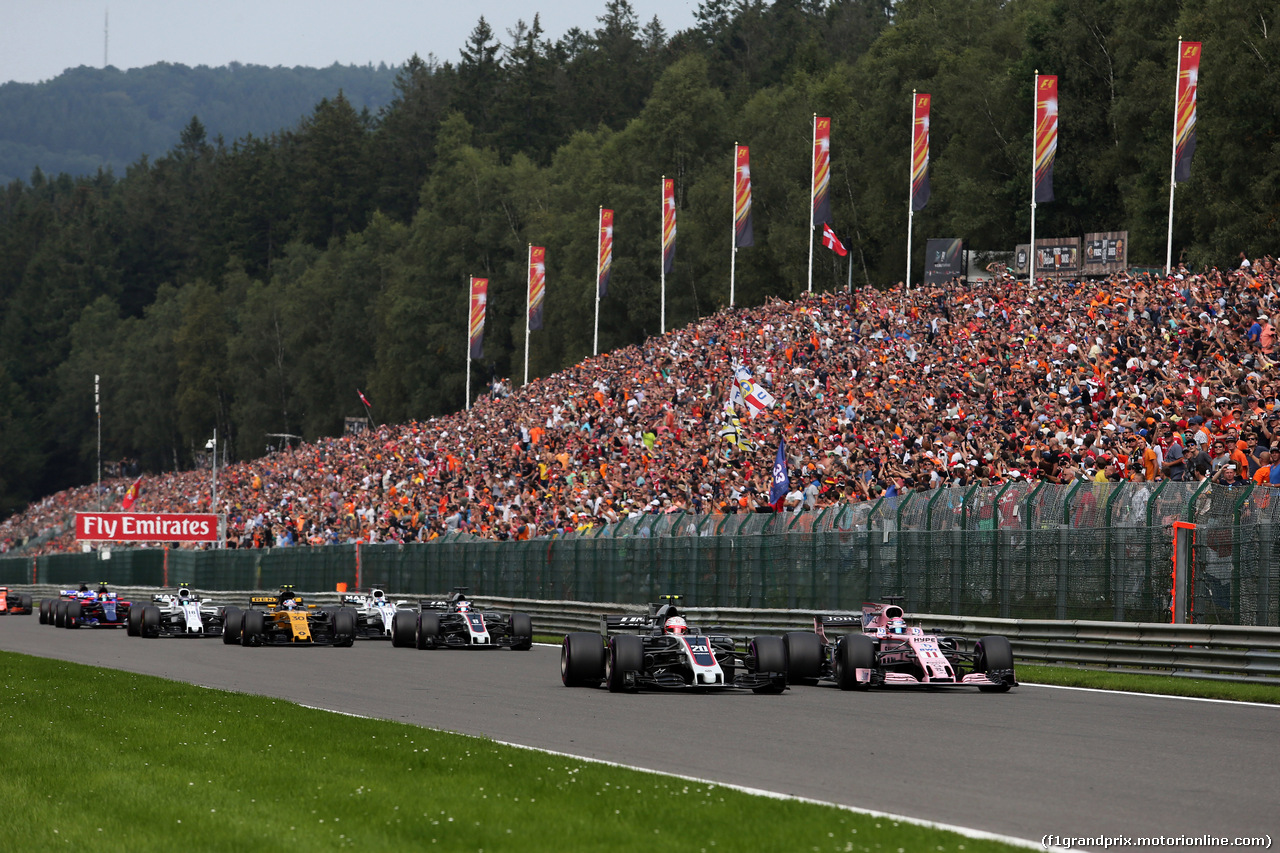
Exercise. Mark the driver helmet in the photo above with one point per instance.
(675, 625)
(287, 604)
(897, 626)
(464, 606)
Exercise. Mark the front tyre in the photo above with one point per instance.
(133, 625)
(252, 627)
(344, 629)
(521, 632)
(993, 656)
(854, 652)
(403, 630)
(770, 656)
(73, 616)
(231, 619)
(60, 613)
(626, 654)
(46, 611)
(150, 627)
(804, 657)
(582, 656)
(428, 631)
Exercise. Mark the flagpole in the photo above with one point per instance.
(470, 285)
(1173, 165)
(528, 306)
(811, 150)
(97, 412)
(595, 335)
(1035, 101)
(733, 226)
(911, 165)
(662, 255)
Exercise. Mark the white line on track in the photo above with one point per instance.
(1151, 695)
(757, 792)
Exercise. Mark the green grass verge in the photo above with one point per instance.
(131, 762)
(1168, 685)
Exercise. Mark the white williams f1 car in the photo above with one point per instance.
(661, 650)
(378, 618)
(177, 614)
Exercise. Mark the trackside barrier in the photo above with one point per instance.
(1217, 652)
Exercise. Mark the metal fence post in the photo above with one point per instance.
(1113, 589)
(1026, 515)
(960, 550)
(1064, 550)
(999, 579)
(930, 549)
(873, 552)
(900, 543)
(1237, 545)
(1150, 514)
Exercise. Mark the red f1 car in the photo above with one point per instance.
(14, 602)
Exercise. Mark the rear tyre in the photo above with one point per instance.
(521, 632)
(252, 627)
(231, 619)
(46, 608)
(994, 653)
(25, 601)
(582, 657)
(804, 657)
(427, 635)
(133, 625)
(770, 655)
(626, 654)
(403, 630)
(150, 627)
(344, 629)
(60, 613)
(853, 653)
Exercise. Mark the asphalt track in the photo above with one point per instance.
(1028, 763)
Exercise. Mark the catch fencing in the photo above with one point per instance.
(1092, 551)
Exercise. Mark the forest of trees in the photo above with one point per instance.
(252, 285)
(90, 118)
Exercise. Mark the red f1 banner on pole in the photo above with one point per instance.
(479, 296)
(604, 260)
(668, 226)
(146, 527)
(1184, 128)
(821, 169)
(743, 235)
(1046, 141)
(537, 285)
(920, 154)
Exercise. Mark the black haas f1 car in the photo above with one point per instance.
(456, 623)
(284, 619)
(76, 607)
(889, 652)
(13, 602)
(661, 650)
(377, 617)
(178, 614)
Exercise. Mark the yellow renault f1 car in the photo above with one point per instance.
(284, 619)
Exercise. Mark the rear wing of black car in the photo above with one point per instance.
(430, 604)
(626, 624)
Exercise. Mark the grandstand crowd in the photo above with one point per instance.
(1138, 377)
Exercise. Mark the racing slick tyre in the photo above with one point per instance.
(853, 652)
(521, 632)
(770, 654)
(24, 602)
(74, 614)
(993, 653)
(252, 627)
(59, 613)
(804, 657)
(344, 628)
(150, 625)
(427, 635)
(403, 630)
(582, 657)
(46, 610)
(231, 618)
(133, 625)
(626, 654)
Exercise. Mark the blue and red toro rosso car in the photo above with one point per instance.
(889, 652)
(92, 608)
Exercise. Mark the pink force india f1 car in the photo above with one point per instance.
(888, 652)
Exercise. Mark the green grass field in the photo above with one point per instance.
(131, 762)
